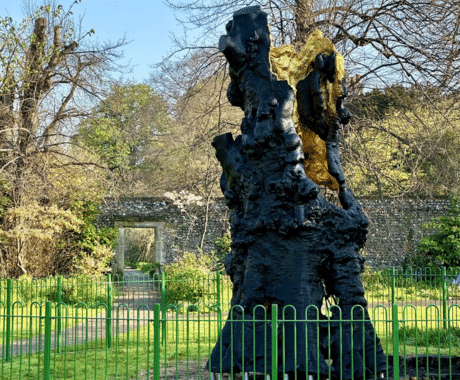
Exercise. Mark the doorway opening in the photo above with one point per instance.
(139, 242)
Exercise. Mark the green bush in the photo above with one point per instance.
(223, 245)
(373, 280)
(86, 289)
(30, 290)
(82, 289)
(188, 281)
(442, 248)
(150, 268)
(95, 244)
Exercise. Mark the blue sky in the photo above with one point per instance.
(147, 23)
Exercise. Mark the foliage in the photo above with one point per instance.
(373, 280)
(379, 103)
(139, 245)
(223, 245)
(30, 239)
(126, 131)
(86, 289)
(95, 262)
(187, 280)
(443, 246)
(94, 244)
(402, 141)
(51, 73)
(152, 269)
(37, 235)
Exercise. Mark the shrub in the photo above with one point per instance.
(89, 290)
(443, 246)
(187, 281)
(96, 263)
(223, 245)
(40, 240)
(30, 240)
(373, 280)
(150, 268)
(86, 289)
(33, 290)
(93, 245)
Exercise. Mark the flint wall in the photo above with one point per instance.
(395, 226)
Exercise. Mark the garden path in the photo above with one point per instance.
(127, 314)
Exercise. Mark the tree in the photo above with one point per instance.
(128, 130)
(51, 73)
(202, 113)
(443, 246)
(377, 38)
(384, 43)
(403, 143)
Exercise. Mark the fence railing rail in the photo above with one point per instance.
(145, 345)
(132, 332)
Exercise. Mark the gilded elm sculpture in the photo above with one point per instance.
(289, 245)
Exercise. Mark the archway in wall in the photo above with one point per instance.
(120, 257)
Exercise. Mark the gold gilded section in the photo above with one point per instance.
(294, 66)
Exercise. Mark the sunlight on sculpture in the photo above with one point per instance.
(295, 66)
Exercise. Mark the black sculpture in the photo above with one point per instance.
(289, 245)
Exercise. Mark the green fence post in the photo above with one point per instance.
(9, 290)
(274, 342)
(156, 341)
(59, 300)
(393, 285)
(108, 317)
(163, 290)
(444, 296)
(163, 306)
(395, 321)
(218, 288)
(47, 353)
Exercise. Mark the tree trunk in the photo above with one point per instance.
(32, 93)
(304, 21)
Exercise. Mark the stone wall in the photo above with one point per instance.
(184, 225)
(395, 227)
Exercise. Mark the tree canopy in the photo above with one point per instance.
(402, 73)
(402, 142)
(127, 130)
(52, 73)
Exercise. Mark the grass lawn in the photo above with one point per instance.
(131, 353)
(191, 341)
(422, 332)
(28, 321)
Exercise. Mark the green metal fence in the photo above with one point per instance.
(131, 333)
(418, 286)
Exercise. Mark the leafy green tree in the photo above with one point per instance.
(443, 246)
(403, 141)
(51, 74)
(127, 130)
